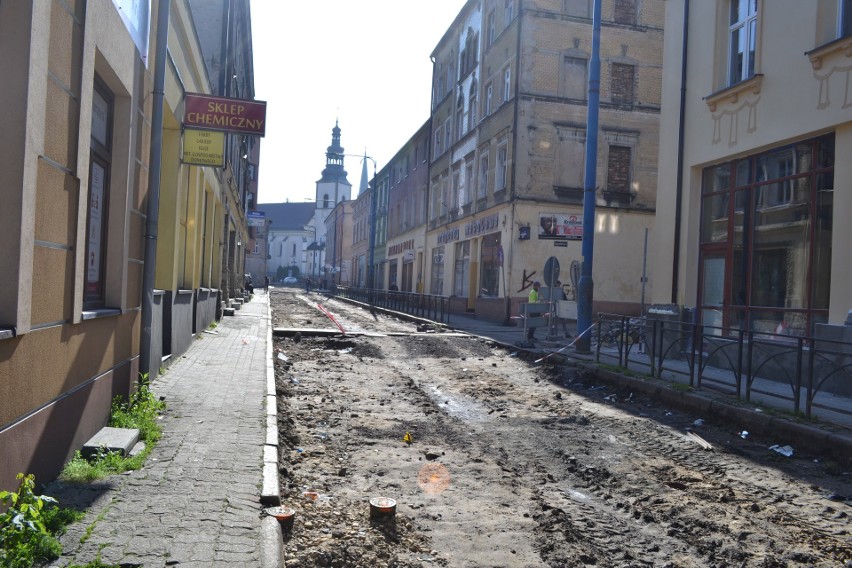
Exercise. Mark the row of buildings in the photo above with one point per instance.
(719, 124)
(83, 215)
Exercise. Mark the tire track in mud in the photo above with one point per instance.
(685, 467)
(588, 481)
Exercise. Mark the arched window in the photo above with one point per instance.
(325, 201)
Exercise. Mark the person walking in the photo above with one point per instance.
(533, 299)
(308, 284)
(266, 284)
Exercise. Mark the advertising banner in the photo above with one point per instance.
(568, 226)
(203, 148)
(256, 218)
(227, 115)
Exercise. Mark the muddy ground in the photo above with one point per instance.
(494, 460)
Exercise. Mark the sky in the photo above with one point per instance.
(364, 63)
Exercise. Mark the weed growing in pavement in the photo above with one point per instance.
(28, 528)
(96, 563)
(140, 411)
(213, 324)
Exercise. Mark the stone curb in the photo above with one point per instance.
(744, 417)
(272, 539)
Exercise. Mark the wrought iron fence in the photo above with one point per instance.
(804, 372)
(435, 308)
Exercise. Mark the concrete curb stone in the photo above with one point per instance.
(271, 536)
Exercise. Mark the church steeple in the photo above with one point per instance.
(334, 158)
(333, 187)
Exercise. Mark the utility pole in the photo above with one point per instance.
(586, 285)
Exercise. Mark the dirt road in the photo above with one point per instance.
(496, 461)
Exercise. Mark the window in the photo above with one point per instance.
(460, 118)
(577, 8)
(490, 30)
(326, 202)
(482, 190)
(624, 12)
(471, 109)
(845, 19)
(573, 80)
(458, 192)
(507, 84)
(448, 134)
(461, 274)
(97, 221)
(436, 198)
(489, 283)
(437, 141)
(468, 183)
(618, 175)
(437, 283)
(445, 196)
(508, 12)
(621, 83)
(500, 179)
(468, 56)
(742, 30)
(765, 240)
(488, 95)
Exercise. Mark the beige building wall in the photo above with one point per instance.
(61, 361)
(799, 90)
(528, 148)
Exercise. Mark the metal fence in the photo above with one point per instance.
(803, 372)
(435, 308)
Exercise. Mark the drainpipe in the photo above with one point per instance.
(507, 309)
(680, 136)
(154, 169)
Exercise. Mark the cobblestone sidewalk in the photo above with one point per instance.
(197, 500)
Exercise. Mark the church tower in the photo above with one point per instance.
(333, 187)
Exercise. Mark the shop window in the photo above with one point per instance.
(97, 217)
(461, 273)
(766, 232)
(437, 273)
(489, 283)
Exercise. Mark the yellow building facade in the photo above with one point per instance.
(76, 133)
(754, 180)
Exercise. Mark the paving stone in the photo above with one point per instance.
(197, 501)
(111, 440)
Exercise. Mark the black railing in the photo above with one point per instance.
(427, 306)
(805, 372)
